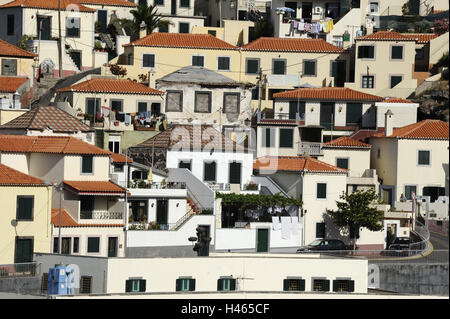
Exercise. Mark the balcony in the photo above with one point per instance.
(101, 215)
(310, 149)
(281, 118)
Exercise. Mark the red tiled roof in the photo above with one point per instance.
(68, 221)
(106, 85)
(364, 134)
(327, 93)
(426, 129)
(11, 84)
(182, 40)
(291, 45)
(48, 144)
(46, 4)
(115, 3)
(346, 142)
(295, 164)
(42, 117)
(385, 36)
(10, 176)
(422, 38)
(95, 187)
(7, 49)
(396, 100)
(119, 158)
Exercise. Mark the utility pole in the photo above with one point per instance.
(60, 40)
(260, 78)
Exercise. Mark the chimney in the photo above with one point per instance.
(142, 30)
(388, 123)
(151, 79)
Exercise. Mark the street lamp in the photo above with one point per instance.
(60, 189)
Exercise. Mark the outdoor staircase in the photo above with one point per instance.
(105, 37)
(192, 210)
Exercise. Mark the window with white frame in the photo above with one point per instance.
(223, 63)
(148, 60)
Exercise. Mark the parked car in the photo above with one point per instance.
(323, 245)
(400, 243)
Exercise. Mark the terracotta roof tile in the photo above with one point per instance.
(364, 134)
(115, 3)
(46, 4)
(422, 38)
(7, 49)
(182, 40)
(295, 164)
(119, 158)
(48, 144)
(186, 137)
(106, 85)
(385, 36)
(10, 176)
(327, 93)
(68, 221)
(346, 142)
(11, 84)
(95, 187)
(291, 45)
(426, 129)
(42, 117)
(396, 100)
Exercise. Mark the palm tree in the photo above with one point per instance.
(143, 13)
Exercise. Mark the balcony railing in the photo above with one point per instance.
(142, 183)
(20, 270)
(100, 215)
(310, 148)
(218, 187)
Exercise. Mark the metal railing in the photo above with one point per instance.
(424, 234)
(281, 116)
(218, 186)
(20, 270)
(100, 215)
(310, 148)
(142, 183)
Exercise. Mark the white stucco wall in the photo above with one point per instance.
(72, 169)
(358, 159)
(404, 113)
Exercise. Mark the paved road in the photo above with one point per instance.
(439, 241)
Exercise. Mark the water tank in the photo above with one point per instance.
(57, 280)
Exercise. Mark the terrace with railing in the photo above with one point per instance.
(20, 270)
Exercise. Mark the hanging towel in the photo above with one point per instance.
(127, 119)
(276, 223)
(324, 26)
(307, 26)
(112, 116)
(294, 226)
(285, 227)
(295, 24)
(301, 26)
(105, 111)
(330, 25)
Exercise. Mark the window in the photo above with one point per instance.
(420, 54)
(343, 285)
(223, 63)
(72, 27)
(55, 245)
(296, 107)
(174, 101)
(9, 67)
(226, 284)
(85, 284)
(378, 153)
(231, 102)
(86, 207)
(342, 163)
(198, 60)
(93, 245)
(158, 2)
(309, 67)
(10, 24)
(184, 3)
(25, 206)
(409, 189)
(353, 115)
(117, 105)
(366, 52)
(368, 82)
(321, 285)
(278, 66)
(164, 28)
(76, 245)
(24, 248)
(44, 282)
(395, 79)
(135, 285)
(209, 172)
(87, 164)
(114, 146)
(185, 164)
(93, 106)
(185, 284)
(286, 137)
(320, 230)
(235, 173)
(148, 60)
(321, 190)
(424, 158)
(373, 7)
(268, 137)
(202, 102)
(183, 27)
(397, 52)
(294, 284)
(142, 107)
(252, 66)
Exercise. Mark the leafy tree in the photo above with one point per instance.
(263, 28)
(143, 13)
(355, 212)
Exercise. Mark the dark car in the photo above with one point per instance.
(323, 245)
(399, 247)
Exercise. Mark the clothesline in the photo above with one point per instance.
(326, 26)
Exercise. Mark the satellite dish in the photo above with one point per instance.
(14, 222)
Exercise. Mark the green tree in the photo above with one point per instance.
(263, 28)
(355, 211)
(143, 13)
